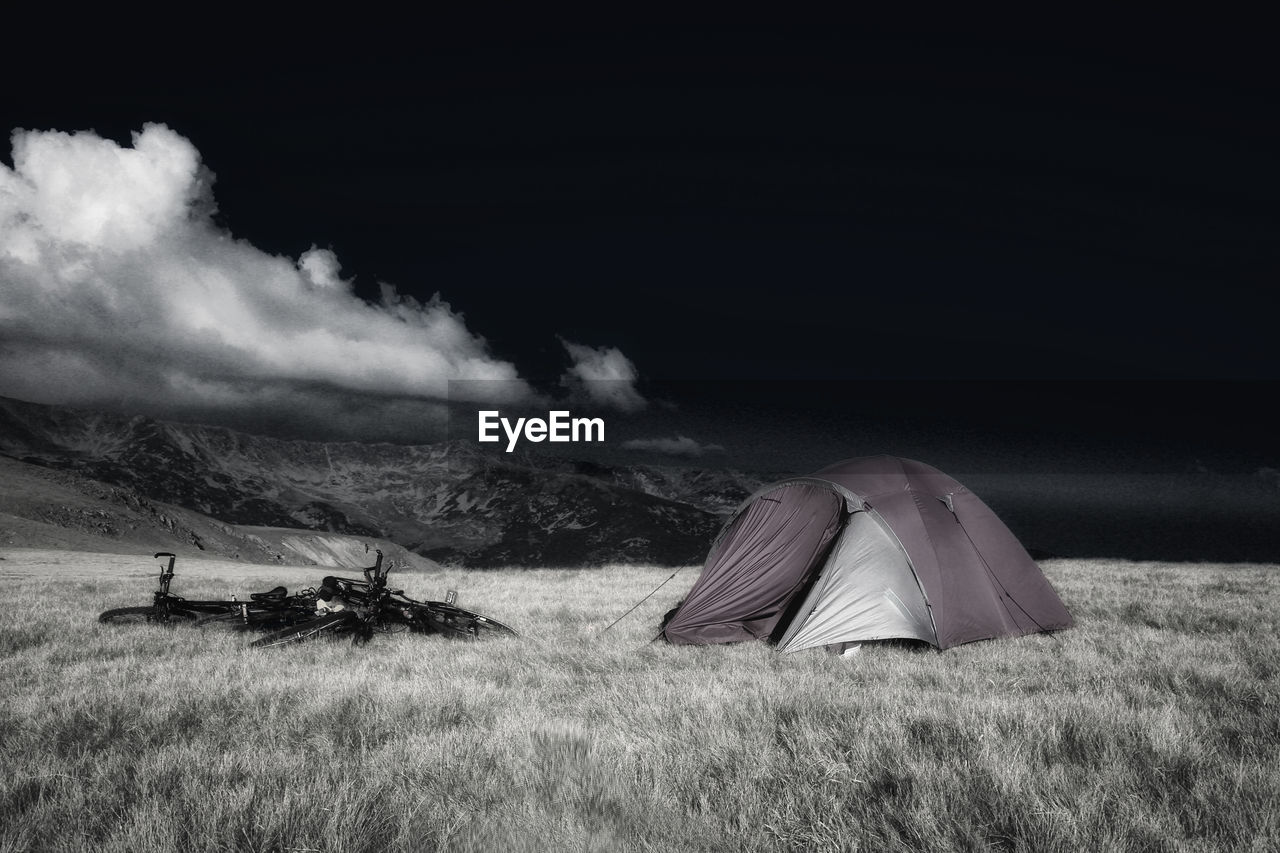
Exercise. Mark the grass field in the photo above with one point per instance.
(1152, 725)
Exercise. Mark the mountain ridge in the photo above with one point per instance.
(449, 502)
(469, 506)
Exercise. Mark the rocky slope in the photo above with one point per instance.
(47, 508)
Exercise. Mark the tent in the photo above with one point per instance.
(871, 548)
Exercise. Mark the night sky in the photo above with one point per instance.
(811, 207)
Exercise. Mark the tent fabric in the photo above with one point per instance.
(868, 548)
(768, 554)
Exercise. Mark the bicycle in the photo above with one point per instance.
(274, 608)
(373, 608)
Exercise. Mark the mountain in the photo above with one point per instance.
(47, 508)
(115, 480)
(450, 502)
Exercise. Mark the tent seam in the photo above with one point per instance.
(996, 578)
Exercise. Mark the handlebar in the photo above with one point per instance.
(166, 573)
(376, 575)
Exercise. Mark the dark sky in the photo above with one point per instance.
(763, 200)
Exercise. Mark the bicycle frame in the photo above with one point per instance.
(372, 595)
(375, 578)
(166, 604)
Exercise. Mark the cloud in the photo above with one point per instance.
(118, 287)
(602, 375)
(679, 446)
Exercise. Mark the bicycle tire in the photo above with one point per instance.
(324, 627)
(148, 615)
(457, 623)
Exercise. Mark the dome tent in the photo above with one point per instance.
(871, 548)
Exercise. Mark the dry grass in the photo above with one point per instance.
(1155, 724)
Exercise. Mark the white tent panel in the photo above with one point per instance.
(865, 591)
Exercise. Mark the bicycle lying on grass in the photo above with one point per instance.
(272, 609)
(341, 607)
(368, 606)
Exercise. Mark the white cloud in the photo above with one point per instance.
(681, 445)
(320, 266)
(603, 375)
(117, 286)
(79, 190)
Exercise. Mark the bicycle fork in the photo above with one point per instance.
(243, 608)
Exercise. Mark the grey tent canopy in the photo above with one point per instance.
(871, 548)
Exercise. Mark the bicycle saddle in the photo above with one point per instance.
(277, 594)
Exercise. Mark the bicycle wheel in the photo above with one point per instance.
(456, 623)
(324, 627)
(145, 616)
